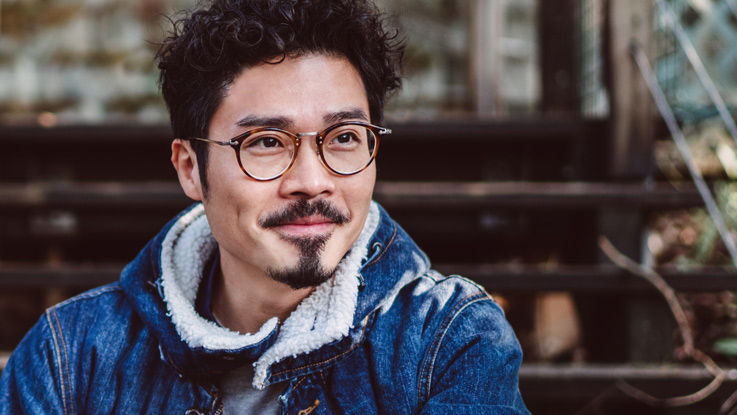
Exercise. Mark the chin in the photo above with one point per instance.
(307, 273)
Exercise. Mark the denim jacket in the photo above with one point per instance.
(386, 336)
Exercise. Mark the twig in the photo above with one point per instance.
(729, 403)
(659, 283)
(596, 402)
(685, 331)
(684, 400)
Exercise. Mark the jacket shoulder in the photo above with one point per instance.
(100, 294)
(458, 346)
(100, 313)
(39, 374)
(452, 293)
(432, 305)
(105, 304)
(461, 308)
(456, 281)
(471, 355)
(431, 297)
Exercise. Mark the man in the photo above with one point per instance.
(287, 290)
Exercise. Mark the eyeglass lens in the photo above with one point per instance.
(346, 149)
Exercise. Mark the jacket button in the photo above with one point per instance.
(193, 411)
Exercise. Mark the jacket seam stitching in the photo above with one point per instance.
(214, 407)
(299, 382)
(66, 362)
(169, 360)
(432, 345)
(93, 294)
(435, 345)
(58, 362)
(430, 277)
(437, 349)
(472, 282)
(386, 248)
(154, 266)
(353, 347)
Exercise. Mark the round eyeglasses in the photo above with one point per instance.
(266, 153)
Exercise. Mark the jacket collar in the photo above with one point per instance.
(383, 260)
(393, 261)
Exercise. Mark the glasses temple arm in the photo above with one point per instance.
(207, 140)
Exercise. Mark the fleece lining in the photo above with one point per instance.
(324, 316)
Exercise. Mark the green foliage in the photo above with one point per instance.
(727, 346)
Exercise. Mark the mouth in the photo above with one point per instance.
(309, 226)
(305, 220)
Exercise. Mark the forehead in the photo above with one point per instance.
(301, 90)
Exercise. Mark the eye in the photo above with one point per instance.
(345, 139)
(265, 142)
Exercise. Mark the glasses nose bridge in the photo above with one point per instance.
(316, 134)
(318, 150)
(308, 134)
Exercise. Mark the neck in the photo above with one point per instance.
(244, 298)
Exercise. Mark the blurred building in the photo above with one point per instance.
(92, 61)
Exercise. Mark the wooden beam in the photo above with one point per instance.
(539, 129)
(577, 380)
(557, 36)
(554, 383)
(453, 195)
(590, 279)
(631, 158)
(631, 105)
(486, 29)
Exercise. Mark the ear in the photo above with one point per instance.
(185, 163)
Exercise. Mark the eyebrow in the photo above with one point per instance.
(350, 114)
(284, 122)
(255, 121)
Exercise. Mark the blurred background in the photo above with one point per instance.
(524, 132)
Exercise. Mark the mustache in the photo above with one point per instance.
(301, 209)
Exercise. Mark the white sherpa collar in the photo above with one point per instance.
(324, 316)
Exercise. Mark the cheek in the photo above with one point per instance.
(358, 195)
(251, 202)
(234, 202)
(362, 190)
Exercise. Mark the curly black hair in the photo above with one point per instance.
(206, 51)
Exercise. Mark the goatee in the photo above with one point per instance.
(308, 272)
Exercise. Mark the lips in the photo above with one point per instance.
(309, 220)
(304, 226)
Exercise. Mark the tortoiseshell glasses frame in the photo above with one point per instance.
(271, 156)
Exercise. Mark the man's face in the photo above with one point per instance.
(297, 227)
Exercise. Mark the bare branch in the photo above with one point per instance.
(729, 403)
(684, 400)
(659, 283)
(685, 330)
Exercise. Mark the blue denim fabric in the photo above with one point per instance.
(421, 343)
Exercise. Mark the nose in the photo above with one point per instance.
(308, 177)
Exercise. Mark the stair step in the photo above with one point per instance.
(398, 195)
(496, 278)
